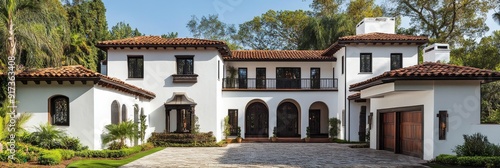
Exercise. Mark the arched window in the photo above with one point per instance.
(59, 110)
(124, 113)
(115, 112)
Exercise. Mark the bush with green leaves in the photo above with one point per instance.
(470, 161)
(47, 136)
(477, 145)
(109, 153)
(50, 157)
(334, 127)
(119, 132)
(66, 154)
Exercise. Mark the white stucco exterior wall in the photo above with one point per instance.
(159, 66)
(34, 99)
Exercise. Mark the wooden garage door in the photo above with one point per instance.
(389, 131)
(411, 133)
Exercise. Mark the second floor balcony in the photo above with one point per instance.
(280, 84)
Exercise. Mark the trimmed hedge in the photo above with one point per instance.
(66, 154)
(474, 161)
(50, 157)
(183, 140)
(109, 153)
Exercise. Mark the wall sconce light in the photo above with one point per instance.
(443, 124)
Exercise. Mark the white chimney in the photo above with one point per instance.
(378, 24)
(437, 52)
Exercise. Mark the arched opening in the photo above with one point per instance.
(288, 120)
(59, 110)
(318, 120)
(256, 119)
(115, 112)
(124, 113)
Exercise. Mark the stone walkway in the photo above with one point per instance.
(276, 155)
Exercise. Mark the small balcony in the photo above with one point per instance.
(329, 84)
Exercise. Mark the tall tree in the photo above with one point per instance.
(273, 30)
(212, 28)
(34, 32)
(170, 35)
(87, 19)
(357, 10)
(326, 7)
(446, 21)
(123, 30)
(321, 32)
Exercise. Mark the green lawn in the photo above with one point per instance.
(112, 163)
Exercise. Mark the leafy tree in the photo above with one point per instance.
(212, 28)
(357, 10)
(34, 32)
(119, 132)
(446, 21)
(170, 35)
(274, 30)
(321, 32)
(123, 30)
(87, 19)
(326, 7)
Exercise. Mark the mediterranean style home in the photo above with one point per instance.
(371, 81)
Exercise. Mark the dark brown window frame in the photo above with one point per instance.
(400, 60)
(260, 83)
(316, 82)
(370, 68)
(136, 57)
(233, 121)
(184, 57)
(52, 110)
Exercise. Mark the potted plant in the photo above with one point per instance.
(227, 129)
(274, 138)
(239, 139)
(308, 138)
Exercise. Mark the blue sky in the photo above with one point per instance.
(156, 17)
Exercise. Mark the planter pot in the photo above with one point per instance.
(228, 141)
(307, 140)
(239, 139)
(274, 139)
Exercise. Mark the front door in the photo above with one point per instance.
(256, 120)
(242, 78)
(362, 124)
(288, 120)
(314, 122)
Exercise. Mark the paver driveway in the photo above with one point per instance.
(276, 155)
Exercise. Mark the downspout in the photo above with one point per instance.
(345, 93)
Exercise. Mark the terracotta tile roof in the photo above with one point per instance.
(278, 55)
(374, 38)
(80, 73)
(157, 41)
(429, 71)
(354, 96)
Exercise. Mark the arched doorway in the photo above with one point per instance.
(287, 120)
(256, 120)
(318, 120)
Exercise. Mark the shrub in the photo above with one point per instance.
(66, 154)
(72, 143)
(47, 136)
(116, 146)
(50, 157)
(109, 153)
(334, 127)
(477, 145)
(147, 146)
(160, 139)
(472, 161)
(447, 159)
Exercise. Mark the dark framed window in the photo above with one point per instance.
(59, 110)
(260, 78)
(342, 64)
(115, 112)
(185, 65)
(218, 70)
(365, 62)
(396, 61)
(124, 113)
(315, 78)
(233, 121)
(135, 66)
(288, 78)
(242, 78)
(443, 122)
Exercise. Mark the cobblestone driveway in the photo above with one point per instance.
(276, 155)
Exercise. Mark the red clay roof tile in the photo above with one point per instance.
(429, 71)
(80, 73)
(278, 55)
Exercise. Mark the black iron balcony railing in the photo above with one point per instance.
(272, 83)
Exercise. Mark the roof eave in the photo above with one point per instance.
(392, 79)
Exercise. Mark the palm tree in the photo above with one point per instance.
(35, 32)
(47, 136)
(119, 132)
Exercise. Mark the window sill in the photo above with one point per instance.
(191, 78)
(365, 73)
(135, 78)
